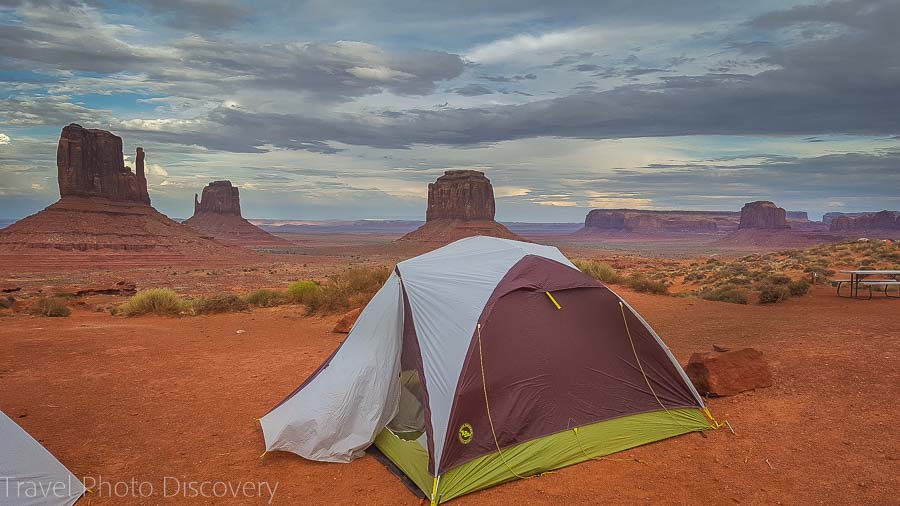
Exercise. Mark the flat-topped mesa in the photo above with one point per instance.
(638, 220)
(90, 163)
(763, 215)
(460, 195)
(882, 220)
(219, 197)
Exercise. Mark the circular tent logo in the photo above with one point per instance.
(465, 433)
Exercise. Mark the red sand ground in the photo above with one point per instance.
(150, 397)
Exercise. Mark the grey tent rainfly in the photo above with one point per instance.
(29, 474)
(485, 361)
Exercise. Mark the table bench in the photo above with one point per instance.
(858, 279)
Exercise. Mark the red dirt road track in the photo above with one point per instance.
(150, 397)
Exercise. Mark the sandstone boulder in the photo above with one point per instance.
(763, 215)
(728, 373)
(460, 195)
(90, 163)
(345, 324)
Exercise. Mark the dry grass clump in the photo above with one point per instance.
(598, 270)
(158, 301)
(222, 303)
(50, 306)
(641, 283)
(265, 298)
(350, 289)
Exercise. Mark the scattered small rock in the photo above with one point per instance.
(239, 331)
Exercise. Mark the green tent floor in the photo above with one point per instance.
(539, 455)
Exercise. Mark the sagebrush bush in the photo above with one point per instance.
(599, 271)
(222, 303)
(727, 293)
(50, 306)
(642, 283)
(7, 302)
(265, 298)
(349, 289)
(771, 293)
(159, 301)
(799, 287)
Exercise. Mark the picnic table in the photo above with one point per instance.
(859, 277)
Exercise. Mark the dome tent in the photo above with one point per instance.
(31, 475)
(485, 361)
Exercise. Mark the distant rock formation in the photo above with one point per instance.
(104, 210)
(91, 164)
(460, 204)
(460, 195)
(797, 215)
(882, 220)
(219, 197)
(763, 215)
(827, 218)
(218, 215)
(637, 220)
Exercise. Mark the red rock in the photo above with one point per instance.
(728, 373)
(763, 215)
(90, 164)
(345, 324)
(218, 215)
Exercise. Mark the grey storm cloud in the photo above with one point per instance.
(472, 90)
(54, 37)
(844, 84)
(195, 15)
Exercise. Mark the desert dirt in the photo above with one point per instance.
(148, 397)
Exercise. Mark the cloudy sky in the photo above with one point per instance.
(347, 109)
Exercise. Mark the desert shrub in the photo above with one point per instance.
(50, 306)
(726, 293)
(799, 287)
(349, 289)
(7, 302)
(771, 294)
(778, 279)
(64, 295)
(160, 301)
(642, 283)
(303, 292)
(599, 271)
(265, 298)
(222, 303)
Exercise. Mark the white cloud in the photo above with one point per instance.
(4, 139)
